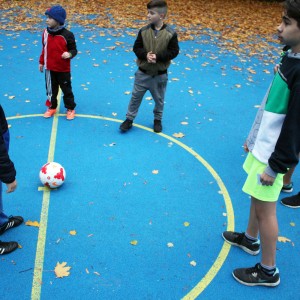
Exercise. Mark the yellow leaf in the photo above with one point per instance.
(61, 270)
(19, 246)
(127, 93)
(32, 223)
(283, 239)
(186, 224)
(134, 242)
(175, 79)
(170, 245)
(155, 172)
(293, 224)
(73, 232)
(178, 135)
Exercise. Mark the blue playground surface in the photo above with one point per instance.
(148, 209)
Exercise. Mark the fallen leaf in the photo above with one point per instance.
(170, 245)
(32, 223)
(178, 135)
(193, 263)
(127, 93)
(73, 232)
(186, 224)
(293, 224)
(134, 242)
(61, 270)
(283, 239)
(155, 172)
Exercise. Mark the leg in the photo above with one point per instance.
(158, 90)
(64, 80)
(268, 229)
(139, 90)
(252, 228)
(52, 87)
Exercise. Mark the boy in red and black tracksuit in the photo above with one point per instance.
(59, 47)
(8, 176)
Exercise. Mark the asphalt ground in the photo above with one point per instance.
(147, 209)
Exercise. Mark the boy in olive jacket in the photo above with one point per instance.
(156, 45)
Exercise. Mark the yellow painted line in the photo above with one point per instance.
(218, 263)
(40, 249)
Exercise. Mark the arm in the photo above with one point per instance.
(286, 152)
(71, 45)
(138, 47)
(171, 52)
(7, 168)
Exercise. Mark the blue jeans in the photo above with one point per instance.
(3, 216)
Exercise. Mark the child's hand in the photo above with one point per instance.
(151, 57)
(66, 55)
(41, 68)
(266, 179)
(11, 187)
(276, 68)
(245, 147)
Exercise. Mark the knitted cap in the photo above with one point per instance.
(57, 13)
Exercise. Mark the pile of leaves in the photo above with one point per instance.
(247, 26)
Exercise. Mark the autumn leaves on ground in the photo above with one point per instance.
(240, 25)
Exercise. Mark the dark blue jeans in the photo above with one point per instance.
(3, 216)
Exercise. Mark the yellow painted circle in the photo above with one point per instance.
(212, 272)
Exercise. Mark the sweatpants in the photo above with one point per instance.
(156, 85)
(54, 80)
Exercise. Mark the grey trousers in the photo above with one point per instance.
(156, 85)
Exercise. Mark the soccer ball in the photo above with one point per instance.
(52, 175)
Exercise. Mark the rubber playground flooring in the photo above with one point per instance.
(140, 214)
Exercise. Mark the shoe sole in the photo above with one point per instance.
(287, 191)
(125, 130)
(242, 247)
(268, 284)
(290, 206)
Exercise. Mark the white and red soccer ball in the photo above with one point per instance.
(52, 175)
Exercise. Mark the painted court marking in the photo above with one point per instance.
(40, 252)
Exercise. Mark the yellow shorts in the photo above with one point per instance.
(252, 185)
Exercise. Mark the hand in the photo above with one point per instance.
(66, 55)
(11, 187)
(151, 57)
(41, 68)
(276, 68)
(266, 179)
(245, 147)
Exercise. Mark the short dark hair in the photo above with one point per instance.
(292, 9)
(161, 5)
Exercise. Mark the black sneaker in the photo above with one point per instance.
(126, 125)
(287, 188)
(7, 247)
(240, 240)
(157, 126)
(12, 222)
(255, 276)
(293, 201)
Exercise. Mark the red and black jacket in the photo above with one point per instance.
(55, 43)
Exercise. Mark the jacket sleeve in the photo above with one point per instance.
(171, 52)
(71, 44)
(138, 47)
(7, 168)
(287, 149)
(41, 60)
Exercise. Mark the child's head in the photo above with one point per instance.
(158, 7)
(289, 29)
(57, 13)
(292, 10)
